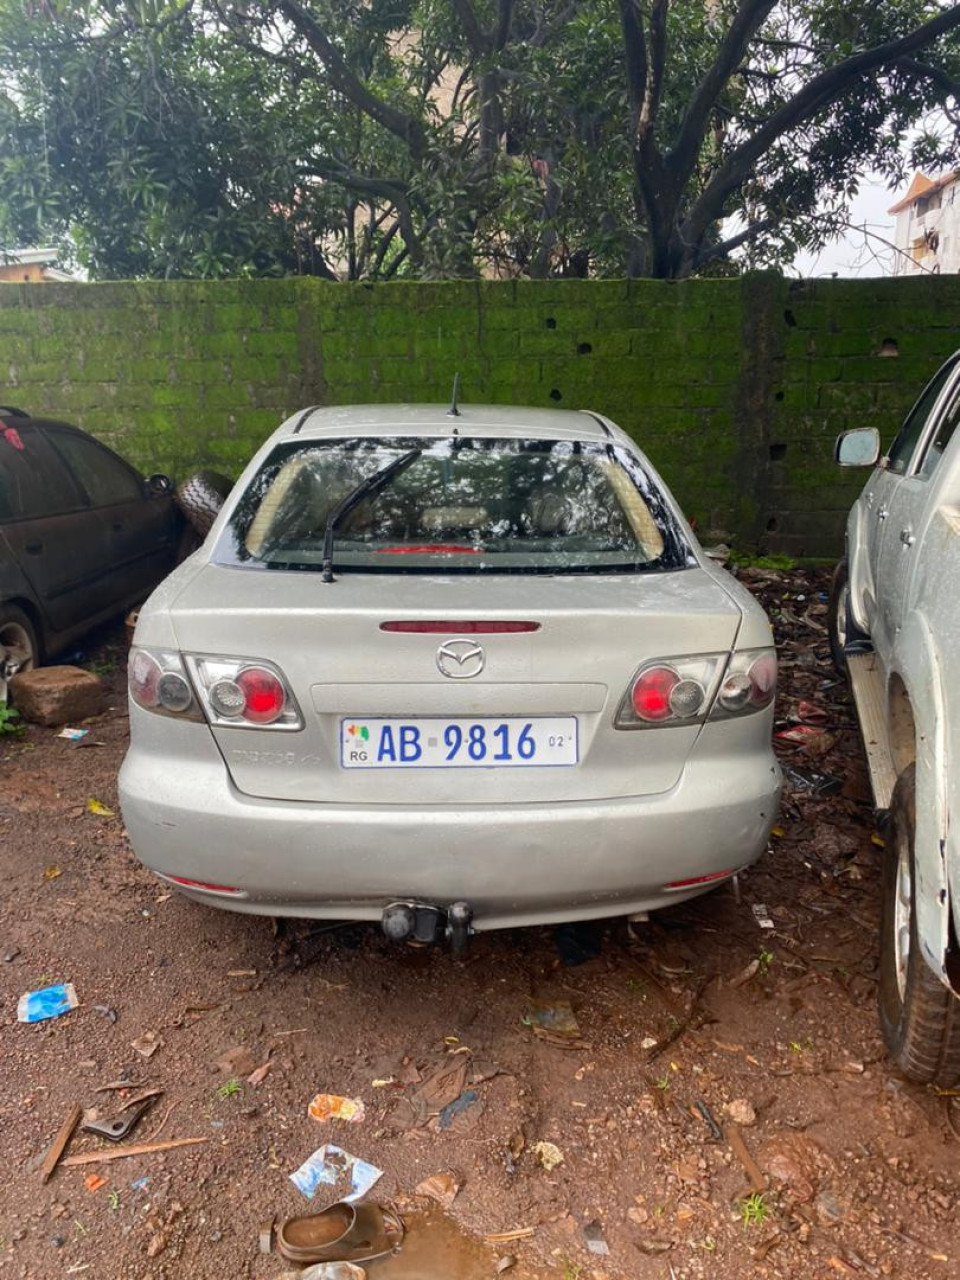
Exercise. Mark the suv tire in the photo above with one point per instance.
(919, 1016)
(200, 498)
(839, 623)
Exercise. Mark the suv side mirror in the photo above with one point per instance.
(858, 448)
(156, 486)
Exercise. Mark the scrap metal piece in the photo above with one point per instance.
(116, 1129)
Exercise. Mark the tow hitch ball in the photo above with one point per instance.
(417, 922)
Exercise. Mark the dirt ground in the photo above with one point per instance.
(771, 1031)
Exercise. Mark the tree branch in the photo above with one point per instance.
(819, 92)
(685, 152)
(942, 79)
(635, 49)
(367, 185)
(383, 249)
(658, 58)
(504, 22)
(397, 122)
(477, 38)
(727, 247)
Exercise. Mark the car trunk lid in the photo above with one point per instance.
(588, 635)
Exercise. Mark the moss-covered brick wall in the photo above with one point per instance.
(735, 388)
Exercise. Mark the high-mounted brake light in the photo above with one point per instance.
(446, 627)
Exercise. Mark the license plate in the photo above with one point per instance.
(516, 743)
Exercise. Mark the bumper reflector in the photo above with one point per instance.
(202, 884)
(695, 880)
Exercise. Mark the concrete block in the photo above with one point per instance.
(55, 695)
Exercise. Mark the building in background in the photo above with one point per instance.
(30, 266)
(928, 226)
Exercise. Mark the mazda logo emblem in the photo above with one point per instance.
(460, 659)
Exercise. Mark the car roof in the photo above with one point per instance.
(436, 419)
(17, 417)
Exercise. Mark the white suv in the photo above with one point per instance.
(896, 627)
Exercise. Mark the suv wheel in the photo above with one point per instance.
(839, 623)
(919, 1016)
(19, 650)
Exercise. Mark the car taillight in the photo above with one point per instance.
(651, 693)
(245, 693)
(750, 684)
(671, 691)
(158, 682)
(263, 695)
(692, 689)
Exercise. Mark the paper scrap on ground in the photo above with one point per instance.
(35, 1006)
(72, 735)
(762, 916)
(549, 1155)
(331, 1106)
(331, 1166)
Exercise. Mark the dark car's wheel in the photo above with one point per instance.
(919, 1016)
(19, 650)
(200, 498)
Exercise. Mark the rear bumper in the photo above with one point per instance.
(514, 865)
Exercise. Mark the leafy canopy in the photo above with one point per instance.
(446, 137)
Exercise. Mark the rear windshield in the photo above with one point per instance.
(455, 505)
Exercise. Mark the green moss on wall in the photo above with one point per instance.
(736, 388)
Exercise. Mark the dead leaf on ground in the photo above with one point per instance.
(238, 1061)
(442, 1187)
(147, 1044)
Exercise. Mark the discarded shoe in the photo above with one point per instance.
(342, 1233)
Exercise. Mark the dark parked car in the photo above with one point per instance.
(83, 536)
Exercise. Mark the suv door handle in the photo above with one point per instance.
(33, 548)
(118, 526)
(906, 537)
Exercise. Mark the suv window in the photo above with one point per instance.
(106, 479)
(901, 451)
(456, 505)
(33, 480)
(944, 433)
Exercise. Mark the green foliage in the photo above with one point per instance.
(754, 1210)
(374, 138)
(9, 720)
(744, 560)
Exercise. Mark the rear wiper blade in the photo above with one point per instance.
(372, 484)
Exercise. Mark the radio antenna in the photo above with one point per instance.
(453, 411)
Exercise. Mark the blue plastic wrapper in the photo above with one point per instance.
(36, 1006)
(331, 1166)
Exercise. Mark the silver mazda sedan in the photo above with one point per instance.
(449, 670)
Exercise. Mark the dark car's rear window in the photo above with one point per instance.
(33, 481)
(457, 505)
